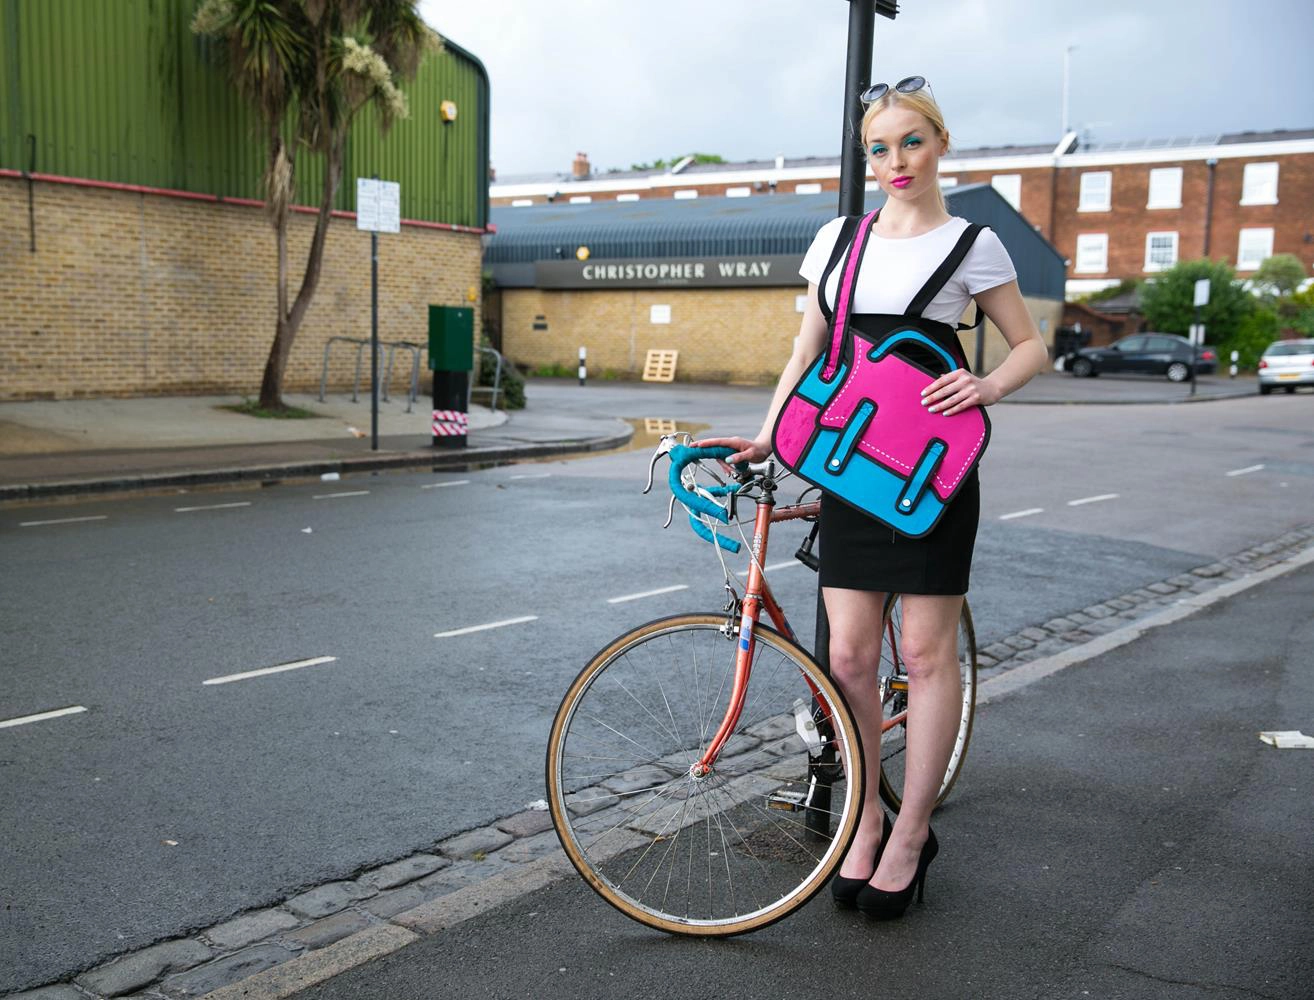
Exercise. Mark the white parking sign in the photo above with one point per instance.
(378, 205)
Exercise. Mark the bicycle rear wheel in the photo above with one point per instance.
(894, 685)
(717, 855)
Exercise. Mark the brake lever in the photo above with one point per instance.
(664, 446)
(670, 512)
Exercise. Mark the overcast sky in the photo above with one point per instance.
(630, 82)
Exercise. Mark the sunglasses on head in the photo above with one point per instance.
(908, 85)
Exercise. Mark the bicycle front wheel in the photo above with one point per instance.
(894, 686)
(716, 854)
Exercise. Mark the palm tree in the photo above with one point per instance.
(307, 67)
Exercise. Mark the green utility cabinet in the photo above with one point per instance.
(451, 338)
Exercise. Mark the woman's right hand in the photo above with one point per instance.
(745, 450)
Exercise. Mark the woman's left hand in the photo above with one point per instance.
(956, 391)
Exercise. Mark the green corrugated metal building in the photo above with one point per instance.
(124, 92)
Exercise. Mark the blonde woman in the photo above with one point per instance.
(914, 237)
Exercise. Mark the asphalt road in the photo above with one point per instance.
(1122, 833)
(172, 803)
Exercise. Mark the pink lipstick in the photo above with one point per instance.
(901, 182)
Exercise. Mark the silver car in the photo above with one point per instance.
(1286, 363)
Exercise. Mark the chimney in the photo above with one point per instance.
(580, 168)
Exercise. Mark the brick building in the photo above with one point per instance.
(1114, 210)
(135, 258)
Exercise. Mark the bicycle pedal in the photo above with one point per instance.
(787, 801)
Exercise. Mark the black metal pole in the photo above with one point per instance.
(1195, 349)
(857, 77)
(374, 340)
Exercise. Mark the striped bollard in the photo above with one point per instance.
(451, 422)
(583, 368)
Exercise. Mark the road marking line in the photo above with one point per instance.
(1095, 499)
(63, 520)
(531, 475)
(294, 665)
(1021, 513)
(334, 496)
(647, 593)
(438, 486)
(1242, 472)
(481, 628)
(213, 506)
(23, 720)
(770, 567)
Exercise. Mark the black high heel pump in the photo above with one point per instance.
(845, 890)
(882, 904)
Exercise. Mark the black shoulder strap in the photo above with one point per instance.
(842, 242)
(944, 272)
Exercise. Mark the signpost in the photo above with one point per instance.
(1197, 328)
(378, 210)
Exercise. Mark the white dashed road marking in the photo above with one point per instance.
(480, 628)
(438, 486)
(1021, 513)
(771, 567)
(348, 493)
(63, 520)
(647, 593)
(531, 475)
(23, 720)
(1095, 499)
(213, 506)
(294, 665)
(1242, 472)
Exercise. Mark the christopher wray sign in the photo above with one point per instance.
(671, 272)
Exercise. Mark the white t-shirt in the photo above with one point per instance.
(894, 270)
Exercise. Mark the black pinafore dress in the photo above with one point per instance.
(857, 552)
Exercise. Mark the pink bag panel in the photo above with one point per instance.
(794, 428)
(901, 428)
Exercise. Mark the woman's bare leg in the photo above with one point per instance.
(929, 650)
(855, 655)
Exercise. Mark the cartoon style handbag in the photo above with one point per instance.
(855, 425)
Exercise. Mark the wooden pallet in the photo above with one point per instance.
(660, 366)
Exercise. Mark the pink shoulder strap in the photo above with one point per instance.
(844, 299)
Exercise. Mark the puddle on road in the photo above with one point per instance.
(648, 431)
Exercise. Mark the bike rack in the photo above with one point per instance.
(361, 343)
(416, 350)
(497, 380)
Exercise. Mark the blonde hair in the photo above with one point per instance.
(924, 104)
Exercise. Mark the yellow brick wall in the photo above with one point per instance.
(723, 335)
(137, 294)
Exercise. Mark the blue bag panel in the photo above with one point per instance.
(916, 336)
(816, 391)
(870, 487)
(838, 459)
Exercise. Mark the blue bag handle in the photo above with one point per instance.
(683, 455)
(888, 344)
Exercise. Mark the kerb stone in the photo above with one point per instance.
(228, 969)
(527, 823)
(405, 870)
(328, 898)
(243, 930)
(140, 968)
(485, 840)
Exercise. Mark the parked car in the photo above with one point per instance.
(1147, 354)
(1286, 363)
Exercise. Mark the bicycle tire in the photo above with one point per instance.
(892, 740)
(679, 670)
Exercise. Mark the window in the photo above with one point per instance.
(686, 193)
(807, 189)
(1096, 191)
(1164, 345)
(522, 202)
(627, 197)
(948, 182)
(581, 199)
(1160, 251)
(1010, 186)
(1129, 345)
(1253, 247)
(1259, 184)
(1165, 188)
(739, 192)
(1092, 253)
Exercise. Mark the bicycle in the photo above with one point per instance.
(663, 759)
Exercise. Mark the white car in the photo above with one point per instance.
(1286, 363)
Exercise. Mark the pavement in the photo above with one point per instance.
(51, 448)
